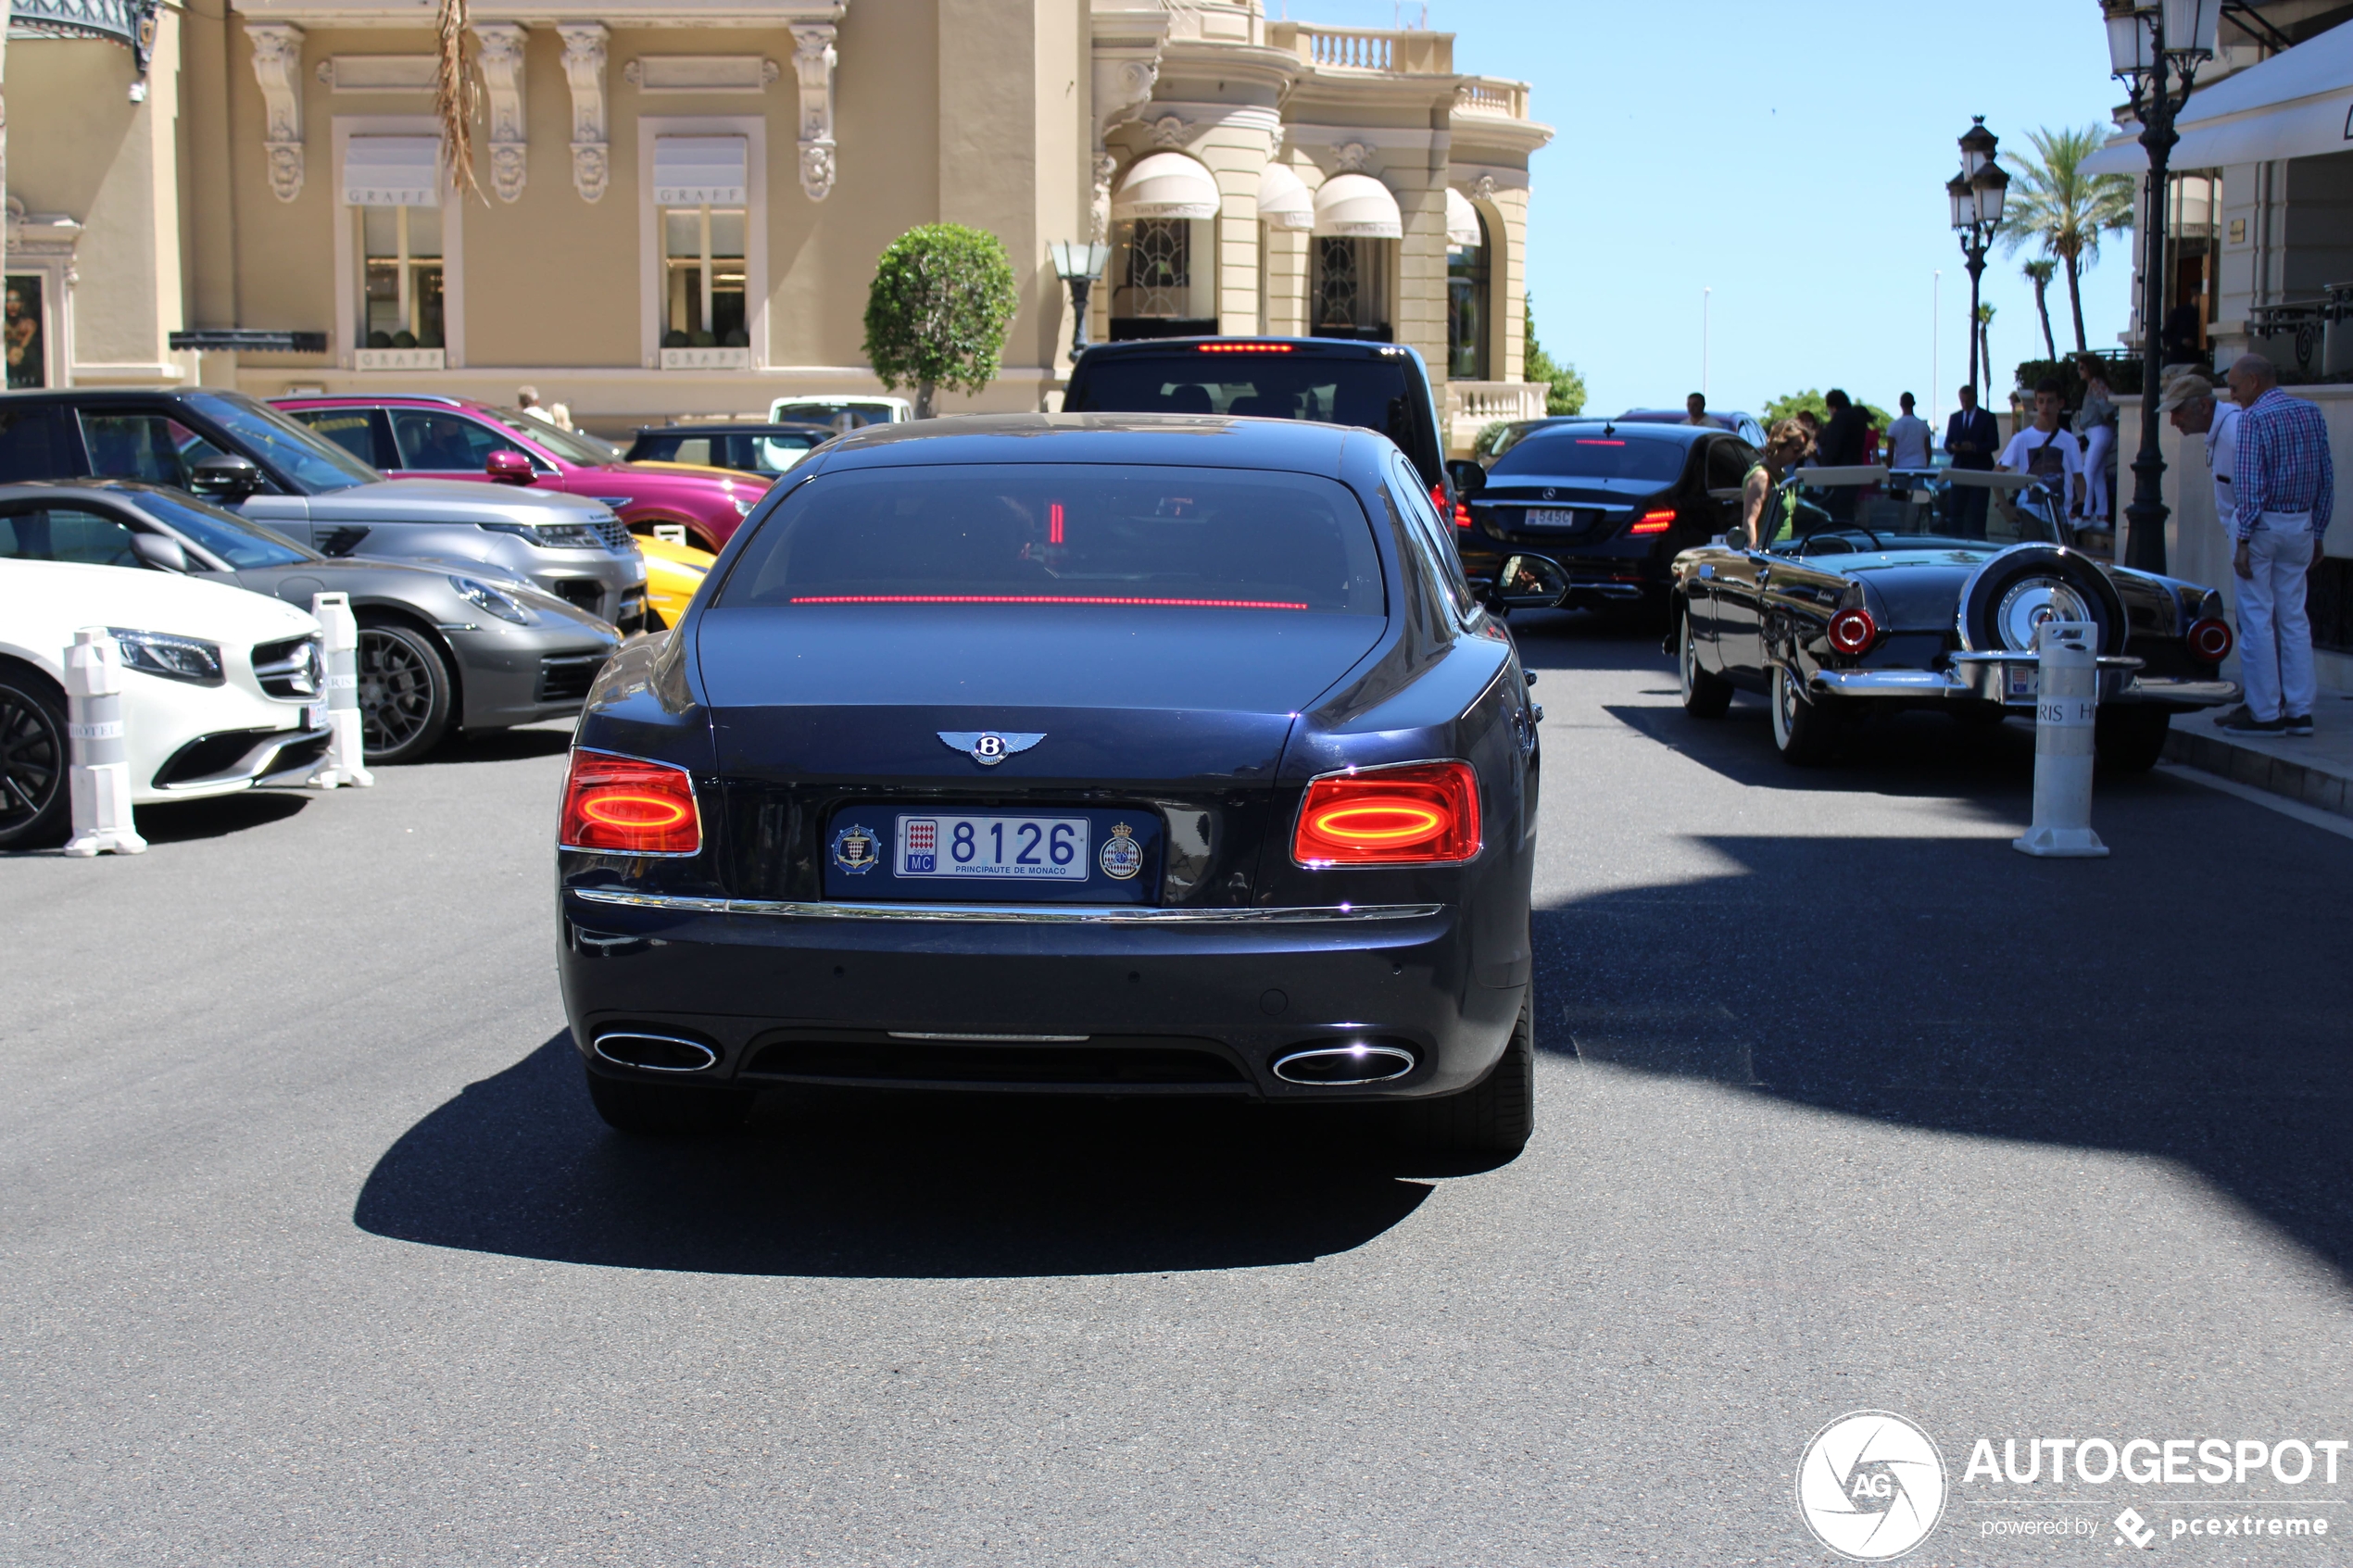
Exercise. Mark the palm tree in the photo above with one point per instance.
(2041, 273)
(2055, 204)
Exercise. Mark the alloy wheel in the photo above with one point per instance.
(32, 759)
(396, 691)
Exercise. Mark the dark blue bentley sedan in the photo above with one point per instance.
(1108, 754)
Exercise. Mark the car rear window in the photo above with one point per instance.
(1370, 392)
(1145, 537)
(1588, 454)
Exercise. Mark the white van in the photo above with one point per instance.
(844, 413)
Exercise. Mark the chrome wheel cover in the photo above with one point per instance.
(396, 692)
(1784, 707)
(2032, 603)
(32, 760)
(1687, 667)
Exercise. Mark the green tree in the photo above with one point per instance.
(2055, 205)
(937, 310)
(1566, 394)
(2039, 272)
(1810, 402)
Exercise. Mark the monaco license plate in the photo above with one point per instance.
(1550, 517)
(2019, 682)
(992, 846)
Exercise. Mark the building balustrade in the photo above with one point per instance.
(1472, 406)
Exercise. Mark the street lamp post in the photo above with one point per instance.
(2154, 50)
(1079, 264)
(1977, 193)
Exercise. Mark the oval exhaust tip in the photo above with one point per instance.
(655, 1053)
(1354, 1062)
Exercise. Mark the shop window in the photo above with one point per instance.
(1349, 290)
(28, 341)
(704, 277)
(401, 303)
(1468, 278)
(1160, 271)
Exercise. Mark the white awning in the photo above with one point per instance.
(2298, 104)
(1359, 206)
(1461, 221)
(700, 170)
(1284, 200)
(1165, 185)
(391, 171)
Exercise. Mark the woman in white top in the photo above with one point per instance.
(2096, 423)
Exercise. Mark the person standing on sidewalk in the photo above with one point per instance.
(2190, 406)
(2048, 453)
(2096, 426)
(2286, 488)
(1971, 436)
(1907, 438)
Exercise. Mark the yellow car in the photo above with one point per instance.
(673, 574)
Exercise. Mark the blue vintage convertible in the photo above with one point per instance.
(1880, 590)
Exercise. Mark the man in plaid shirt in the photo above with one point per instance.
(2285, 489)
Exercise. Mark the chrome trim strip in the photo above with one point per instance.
(1021, 1039)
(998, 914)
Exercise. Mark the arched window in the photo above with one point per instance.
(1469, 275)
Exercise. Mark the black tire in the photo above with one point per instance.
(36, 803)
(2013, 588)
(1976, 715)
(1496, 1116)
(406, 694)
(666, 1110)
(2130, 739)
(1705, 696)
(1804, 729)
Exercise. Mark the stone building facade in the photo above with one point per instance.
(678, 204)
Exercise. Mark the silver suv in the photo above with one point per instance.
(241, 452)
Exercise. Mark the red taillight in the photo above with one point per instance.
(622, 805)
(1423, 813)
(1242, 347)
(1654, 522)
(1852, 631)
(1462, 515)
(2209, 640)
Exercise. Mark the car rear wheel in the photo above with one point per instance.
(405, 693)
(36, 808)
(1804, 728)
(666, 1110)
(2130, 739)
(1494, 1118)
(1705, 696)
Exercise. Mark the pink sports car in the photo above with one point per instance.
(417, 436)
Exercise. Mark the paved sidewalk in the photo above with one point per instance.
(2315, 769)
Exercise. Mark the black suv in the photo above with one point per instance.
(1614, 503)
(1381, 387)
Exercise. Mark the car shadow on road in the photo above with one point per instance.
(880, 1186)
(181, 822)
(1953, 984)
(504, 745)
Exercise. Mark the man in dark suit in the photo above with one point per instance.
(1842, 446)
(1972, 437)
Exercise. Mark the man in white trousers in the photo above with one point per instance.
(2285, 488)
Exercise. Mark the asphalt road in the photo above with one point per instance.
(312, 1250)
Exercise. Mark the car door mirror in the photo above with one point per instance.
(225, 478)
(508, 468)
(1529, 583)
(160, 551)
(1468, 477)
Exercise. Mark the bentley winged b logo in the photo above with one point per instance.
(990, 747)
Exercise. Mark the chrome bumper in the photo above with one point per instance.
(2013, 681)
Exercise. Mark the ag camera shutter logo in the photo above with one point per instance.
(1870, 1485)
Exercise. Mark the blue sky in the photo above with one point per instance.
(1793, 160)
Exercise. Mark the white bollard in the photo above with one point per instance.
(99, 780)
(2066, 716)
(343, 764)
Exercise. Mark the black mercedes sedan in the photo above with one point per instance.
(1131, 754)
(1613, 501)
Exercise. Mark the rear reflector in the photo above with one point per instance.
(1654, 522)
(2209, 640)
(1852, 631)
(1242, 347)
(1421, 813)
(625, 806)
